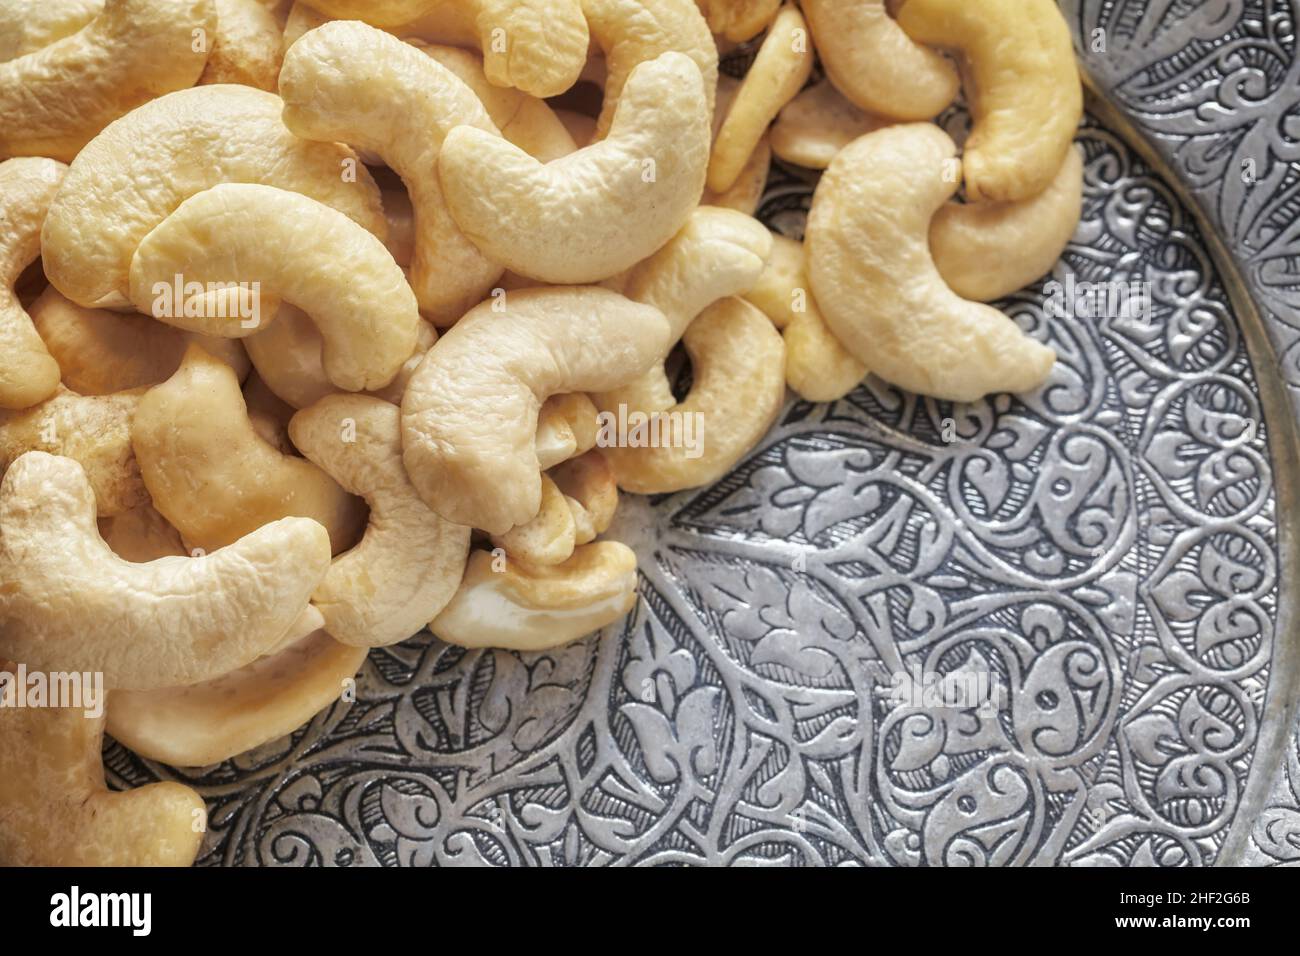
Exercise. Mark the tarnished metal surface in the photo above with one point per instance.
(1098, 569)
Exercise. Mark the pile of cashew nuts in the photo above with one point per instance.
(476, 229)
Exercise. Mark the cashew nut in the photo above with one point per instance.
(875, 64)
(566, 427)
(589, 485)
(581, 127)
(567, 221)
(780, 70)
(59, 812)
(400, 215)
(872, 274)
(632, 32)
(747, 192)
(246, 48)
(738, 362)
(970, 241)
(538, 46)
(291, 245)
(70, 603)
(58, 98)
(409, 563)
(208, 723)
(548, 538)
(1026, 100)
(781, 287)
(817, 124)
(348, 82)
(102, 352)
(531, 608)
(469, 417)
(141, 535)
(135, 173)
(213, 477)
(268, 414)
(525, 120)
(739, 20)
(93, 431)
(28, 25)
(28, 373)
(716, 254)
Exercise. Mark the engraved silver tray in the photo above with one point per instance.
(1112, 560)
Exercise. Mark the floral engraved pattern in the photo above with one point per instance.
(905, 632)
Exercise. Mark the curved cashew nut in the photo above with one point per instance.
(524, 120)
(28, 25)
(872, 274)
(409, 563)
(243, 233)
(103, 352)
(970, 241)
(589, 485)
(70, 603)
(747, 192)
(59, 812)
(28, 373)
(567, 221)
(57, 99)
(209, 723)
(780, 70)
(548, 538)
(529, 608)
(1027, 99)
(246, 48)
(782, 287)
(538, 46)
(351, 83)
(135, 173)
(93, 431)
(141, 535)
(817, 124)
(213, 477)
(738, 361)
(875, 64)
(566, 428)
(632, 32)
(716, 254)
(469, 417)
(739, 20)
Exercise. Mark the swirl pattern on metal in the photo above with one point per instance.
(904, 632)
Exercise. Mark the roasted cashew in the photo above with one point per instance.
(566, 427)
(780, 70)
(589, 485)
(524, 120)
(716, 254)
(549, 538)
(352, 83)
(567, 221)
(69, 603)
(135, 174)
(875, 64)
(970, 241)
(59, 812)
(739, 20)
(817, 124)
(530, 608)
(93, 431)
(246, 48)
(28, 374)
(632, 32)
(538, 46)
(291, 246)
(738, 361)
(872, 274)
(58, 98)
(469, 417)
(409, 563)
(1027, 98)
(28, 25)
(208, 723)
(213, 477)
(102, 352)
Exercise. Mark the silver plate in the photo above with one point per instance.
(1110, 562)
